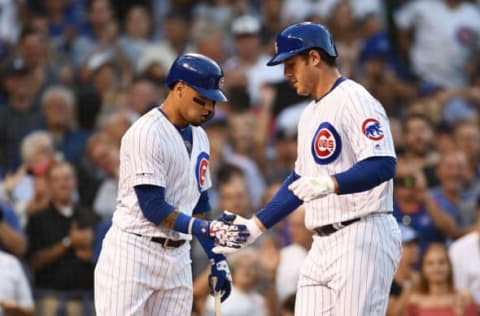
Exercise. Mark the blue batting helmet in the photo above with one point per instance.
(199, 72)
(300, 37)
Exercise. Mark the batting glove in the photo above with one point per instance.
(311, 188)
(226, 235)
(221, 273)
(253, 229)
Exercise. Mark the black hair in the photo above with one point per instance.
(327, 59)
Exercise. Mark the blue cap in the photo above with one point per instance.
(300, 37)
(377, 46)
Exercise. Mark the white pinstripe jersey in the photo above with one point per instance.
(345, 126)
(153, 152)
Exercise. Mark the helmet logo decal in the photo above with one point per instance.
(201, 169)
(326, 144)
(372, 129)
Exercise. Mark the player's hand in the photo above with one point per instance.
(219, 270)
(251, 224)
(228, 234)
(311, 188)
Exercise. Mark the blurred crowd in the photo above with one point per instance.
(75, 74)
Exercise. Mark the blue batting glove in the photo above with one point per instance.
(219, 269)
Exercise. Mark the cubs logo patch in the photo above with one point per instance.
(326, 144)
(372, 129)
(201, 169)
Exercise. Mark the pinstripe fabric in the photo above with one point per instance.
(158, 157)
(350, 271)
(135, 276)
(346, 108)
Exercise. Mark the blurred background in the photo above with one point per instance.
(75, 74)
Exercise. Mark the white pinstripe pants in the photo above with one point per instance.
(350, 271)
(135, 276)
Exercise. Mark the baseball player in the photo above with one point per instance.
(345, 163)
(144, 265)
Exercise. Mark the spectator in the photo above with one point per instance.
(61, 27)
(20, 188)
(291, 256)
(15, 295)
(61, 258)
(19, 116)
(58, 105)
(418, 146)
(12, 238)
(413, 207)
(233, 193)
(343, 26)
(33, 49)
(136, 38)
(242, 127)
(99, 33)
(451, 195)
(465, 256)
(467, 138)
(210, 41)
(406, 278)
(247, 67)
(452, 21)
(176, 28)
(244, 300)
(436, 294)
(142, 96)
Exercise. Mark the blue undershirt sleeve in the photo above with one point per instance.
(282, 204)
(151, 199)
(203, 204)
(366, 174)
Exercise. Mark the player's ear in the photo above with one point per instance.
(314, 57)
(179, 88)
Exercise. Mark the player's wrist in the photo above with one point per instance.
(255, 228)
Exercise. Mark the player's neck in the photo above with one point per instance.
(325, 82)
(172, 115)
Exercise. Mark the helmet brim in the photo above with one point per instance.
(211, 94)
(280, 58)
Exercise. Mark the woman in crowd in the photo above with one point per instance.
(436, 294)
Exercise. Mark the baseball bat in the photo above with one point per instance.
(218, 304)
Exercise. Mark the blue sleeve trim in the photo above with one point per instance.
(366, 174)
(151, 199)
(283, 203)
(207, 245)
(203, 204)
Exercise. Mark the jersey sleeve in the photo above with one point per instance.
(367, 127)
(146, 159)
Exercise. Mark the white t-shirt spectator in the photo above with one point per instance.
(13, 282)
(288, 272)
(445, 39)
(238, 304)
(465, 256)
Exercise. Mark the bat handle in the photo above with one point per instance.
(218, 303)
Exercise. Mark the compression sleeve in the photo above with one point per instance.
(203, 204)
(151, 199)
(366, 174)
(282, 204)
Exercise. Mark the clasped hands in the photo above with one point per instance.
(305, 188)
